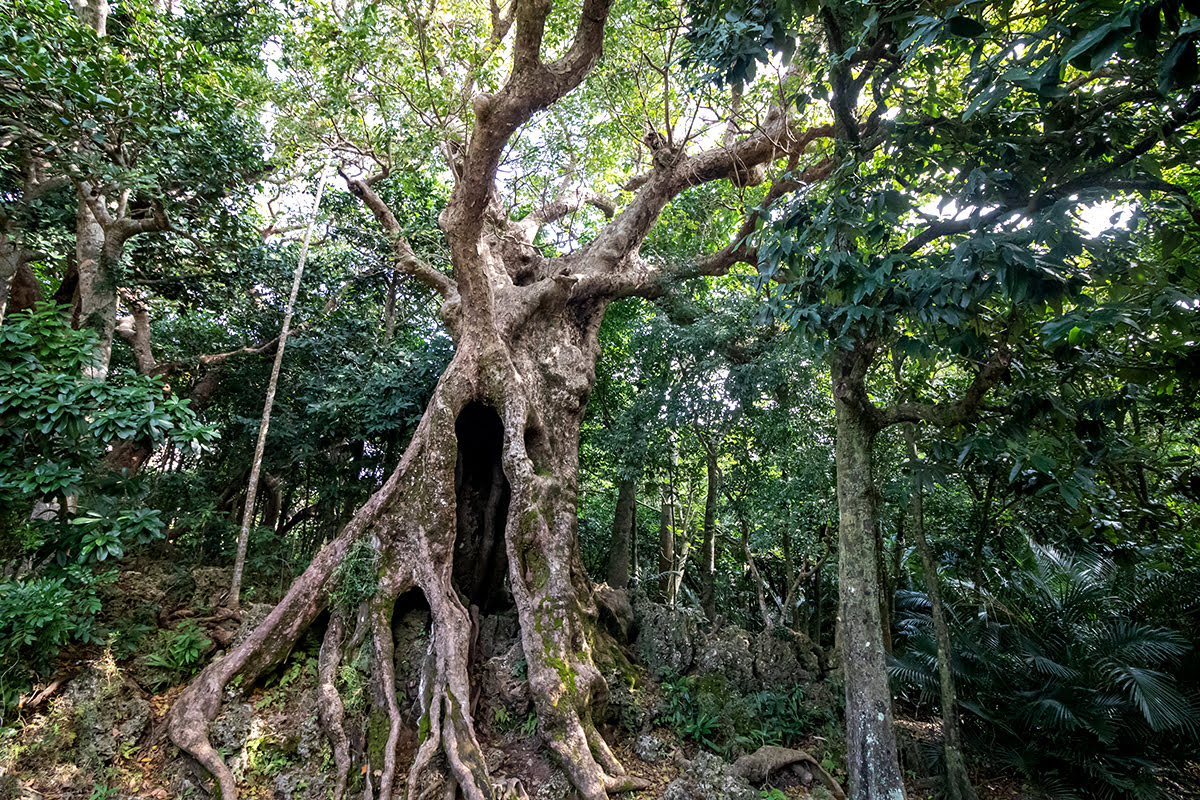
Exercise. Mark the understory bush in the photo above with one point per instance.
(178, 653)
(38, 617)
(1062, 675)
(705, 710)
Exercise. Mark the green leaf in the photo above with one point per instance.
(965, 27)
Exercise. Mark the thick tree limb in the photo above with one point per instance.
(406, 260)
(637, 277)
(627, 230)
(948, 414)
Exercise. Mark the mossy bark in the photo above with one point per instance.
(870, 733)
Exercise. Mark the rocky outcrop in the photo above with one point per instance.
(666, 640)
(726, 651)
(107, 712)
(707, 777)
(505, 683)
(784, 658)
(674, 641)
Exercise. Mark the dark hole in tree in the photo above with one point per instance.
(480, 560)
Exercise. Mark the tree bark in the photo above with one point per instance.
(708, 562)
(666, 544)
(10, 260)
(870, 733)
(885, 587)
(624, 521)
(97, 287)
(958, 782)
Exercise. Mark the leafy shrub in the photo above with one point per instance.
(37, 617)
(1062, 676)
(55, 422)
(357, 576)
(178, 653)
(705, 711)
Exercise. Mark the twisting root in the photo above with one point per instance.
(385, 670)
(601, 751)
(445, 686)
(268, 644)
(429, 729)
(330, 709)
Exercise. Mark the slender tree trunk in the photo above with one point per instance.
(789, 570)
(708, 565)
(622, 533)
(683, 549)
(10, 259)
(755, 577)
(871, 755)
(635, 566)
(886, 590)
(239, 562)
(666, 543)
(814, 615)
(958, 782)
(97, 286)
(389, 309)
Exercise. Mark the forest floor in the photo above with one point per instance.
(101, 735)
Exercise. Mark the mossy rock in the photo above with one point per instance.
(707, 777)
(107, 712)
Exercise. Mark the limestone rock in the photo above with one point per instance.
(648, 748)
(707, 777)
(497, 633)
(666, 641)
(726, 651)
(506, 684)
(252, 614)
(107, 711)
(229, 730)
(775, 659)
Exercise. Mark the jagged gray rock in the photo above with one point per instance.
(707, 777)
(666, 641)
(505, 684)
(726, 651)
(107, 710)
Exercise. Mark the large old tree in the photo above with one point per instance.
(487, 488)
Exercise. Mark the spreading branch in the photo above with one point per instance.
(406, 260)
(945, 415)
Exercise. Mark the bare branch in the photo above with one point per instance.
(569, 203)
(406, 260)
(945, 415)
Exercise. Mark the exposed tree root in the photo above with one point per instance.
(412, 522)
(385, 675)
(330, 708)
(268, 644)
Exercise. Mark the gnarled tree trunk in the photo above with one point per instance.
(488, 485)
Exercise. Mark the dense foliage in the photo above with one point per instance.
(992, 253)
